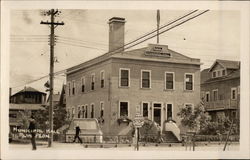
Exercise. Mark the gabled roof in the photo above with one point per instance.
(28, 89)
(226, 64)
(139, 54)
(232, 75)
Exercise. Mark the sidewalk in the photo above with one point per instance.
(126, 147)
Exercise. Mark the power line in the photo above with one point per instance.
(151, 32)
(68, 43)
(167, 29)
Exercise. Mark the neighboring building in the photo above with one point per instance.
(24, 103)
(59, 107)
(220, 89)
(111, 86)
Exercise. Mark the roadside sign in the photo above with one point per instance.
(138, 120)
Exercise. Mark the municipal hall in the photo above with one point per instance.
(154, 78)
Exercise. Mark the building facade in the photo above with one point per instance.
(155, 79)
(220, 89)
(23, 103)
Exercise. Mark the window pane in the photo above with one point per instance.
(169, 111)
(145, 79)
(102, 110)
(123, 108)
(145, 109)
(189, 82)
(124, 77)
(124, 73)
(169, 81)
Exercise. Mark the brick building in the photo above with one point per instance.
(155, 78)
(220, 88)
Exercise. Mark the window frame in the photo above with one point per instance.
(102, 71)
(217, 97)
(86, 111)
(119, 109)
(234, 89)
(209, 98)
(214, 76)
(92, 106)
(165, 80)
(146, 102)
(149, 71)
(83, 83)
(120, 69)
(172, 108)
(101, 102)
(92, 88)
(69, 89)
(73, 87)
(185, 86)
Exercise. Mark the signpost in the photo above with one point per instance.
(138, 123)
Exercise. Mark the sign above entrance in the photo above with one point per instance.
(158, 50)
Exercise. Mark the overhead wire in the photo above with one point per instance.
(63, 71)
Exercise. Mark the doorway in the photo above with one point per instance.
(157, 113)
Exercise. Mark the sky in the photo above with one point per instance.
(213, 35)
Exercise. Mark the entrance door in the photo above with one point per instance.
(157, 113)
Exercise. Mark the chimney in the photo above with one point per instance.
(116, 33)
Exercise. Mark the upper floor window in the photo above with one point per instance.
(73, 87)
(214, 74)
(169, 77)
(233, 94)
(69, 88)
(123, 109)
(145, 79)
(124, 77)
(92, 81)
(223, 72)
(219, 73)
(215, 94)
(83, 84)
(102, 78)
(189, 81)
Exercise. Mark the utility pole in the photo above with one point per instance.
(52, 13)
(158, 24)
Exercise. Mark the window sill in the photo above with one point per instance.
(169, 90)
(125, 87)
(188, 90)
(145, 88)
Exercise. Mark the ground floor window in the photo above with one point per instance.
(86, 111)
(145, 107)
(101, 109)
(92, 111)
(123, 109)
(169, 111)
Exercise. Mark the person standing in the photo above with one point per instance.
(78, 130)
(32, 128)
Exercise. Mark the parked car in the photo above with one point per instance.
(90, 130)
